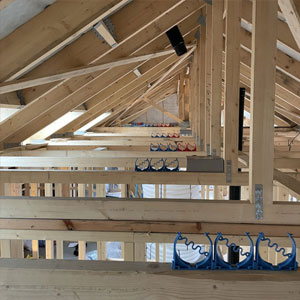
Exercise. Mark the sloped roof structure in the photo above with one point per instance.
(76, 79)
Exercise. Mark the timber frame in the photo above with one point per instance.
(54, 189)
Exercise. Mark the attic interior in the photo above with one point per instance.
(125, 122)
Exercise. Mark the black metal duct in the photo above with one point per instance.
(176, 40)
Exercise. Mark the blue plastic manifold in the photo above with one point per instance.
(253, 261)
(180, 264)
(289, 264)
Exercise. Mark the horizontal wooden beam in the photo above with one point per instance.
(143, 227)
(121, 177)
(113, 160)
(129, 237)
(136, 130)
(138, 280)
(181, 210)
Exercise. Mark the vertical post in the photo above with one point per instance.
(49, 249)
(59, 249)
(208, 87)
(81, 244)
(128, 251)
(181, 96)
(5, 248)
(35, 243)
(49, 243)
(81, 250)
(139, 251)
(261, 158)
(186, 98)
(232, 81)
(157, 252)
(202, 77)
(216, 77)
(35, 249)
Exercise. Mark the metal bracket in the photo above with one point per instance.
(201, 145)
(11, 145)
(202, 20)
(228, 171)
(214, 152)
(210, 2)
(208, 149)
(197, 35)
(21, 98)
(259, 210)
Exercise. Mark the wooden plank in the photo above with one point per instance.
(104, 32)
(145, 209)
(35, 249)
(97, 227)
(131, 237)
(133, 131)
(292, 16)
(232, 80)
(181, 95)
(119, 280)
(216, 76)
(49, 249)
(69, 20)
(208, 78)
(59, 249)
(287, 180)
(15, 85)
(81, 250)
(5, 249)
(201, 110)
(139, 252)
(128, 251)
(122, 177)
(262, 99)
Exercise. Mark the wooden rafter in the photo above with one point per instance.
(262, 101)
(30, 82)
(292, 15)
(44, 102)
(78, 18)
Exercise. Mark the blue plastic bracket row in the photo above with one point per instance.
(162, 165)
(213, 260)
(162, 147)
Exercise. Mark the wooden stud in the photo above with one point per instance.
(216, 76)
(262, 99)
(232, 79)
(81, 250)
(128, 251)
(49, 249)
(35, 249)
(59, 249)
(208, 78)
